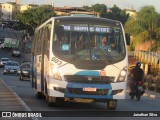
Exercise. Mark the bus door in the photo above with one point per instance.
(38, 60)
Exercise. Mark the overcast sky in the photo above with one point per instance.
(135, 4)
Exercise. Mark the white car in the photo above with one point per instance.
(16, 52)
(11, 67)
(3, 61)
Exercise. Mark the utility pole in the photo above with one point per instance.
(52, 3)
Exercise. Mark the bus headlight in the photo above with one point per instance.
(122, 75)
(54, 69)
(55, 72)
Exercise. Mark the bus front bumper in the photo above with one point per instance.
(91, 91)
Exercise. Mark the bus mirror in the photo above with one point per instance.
(127, 35)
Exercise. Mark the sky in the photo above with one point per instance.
(134, 4)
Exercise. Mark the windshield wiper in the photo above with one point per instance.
(88, 41)
(103, 54)
(75, 55)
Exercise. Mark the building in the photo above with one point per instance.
(26, 7)
(6, 11)
(9, 10)
(131, 12)
(18, 2)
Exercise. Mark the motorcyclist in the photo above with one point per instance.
(136, 75)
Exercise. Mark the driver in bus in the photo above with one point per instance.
(104, 45)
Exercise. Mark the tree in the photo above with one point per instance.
(87, 8)
(101, 8)
(32, 18)
(144, 26)
(116, 13)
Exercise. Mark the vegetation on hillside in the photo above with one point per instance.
(145, 26)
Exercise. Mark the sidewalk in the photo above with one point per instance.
(9, 101)
(150, 94)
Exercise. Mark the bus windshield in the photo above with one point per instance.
(88, 42)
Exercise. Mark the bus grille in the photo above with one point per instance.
(80, 91)
(87, 80)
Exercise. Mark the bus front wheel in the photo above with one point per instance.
(112, 104)
(55, 101)
(51, 101)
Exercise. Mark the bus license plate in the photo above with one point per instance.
(89, 89)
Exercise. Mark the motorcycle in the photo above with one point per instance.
(137, 90)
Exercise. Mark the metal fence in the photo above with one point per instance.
(152, 59)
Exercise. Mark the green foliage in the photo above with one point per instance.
(144, 26)
(87, 8)
(117, 14)
(101, 8)
(32, 18)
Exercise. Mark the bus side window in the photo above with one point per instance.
(48, 32)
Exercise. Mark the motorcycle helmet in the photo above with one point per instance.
(138, 64)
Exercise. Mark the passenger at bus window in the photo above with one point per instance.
(79, 42)
(112, 49)
(65, 39)
(112, 44)
(73, 44)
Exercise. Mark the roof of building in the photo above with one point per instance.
(67, 8)
(131, 10)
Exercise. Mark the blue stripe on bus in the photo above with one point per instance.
(89, 96)
(88, 73)
(82, 85)
(98, 86)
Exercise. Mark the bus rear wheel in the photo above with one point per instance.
(39, 95)
(111, 104)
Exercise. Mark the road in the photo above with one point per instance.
(27, 94)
